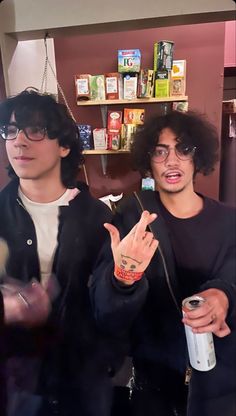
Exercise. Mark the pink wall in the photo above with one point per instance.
(201, 45)
(230, 44)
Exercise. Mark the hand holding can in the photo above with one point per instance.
(200, 346)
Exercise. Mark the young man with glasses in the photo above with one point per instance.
(58, 363)
(183, 245)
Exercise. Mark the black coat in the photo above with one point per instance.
(75, 359)
(150, 310)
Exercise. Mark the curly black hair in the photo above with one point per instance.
(32, 108)
(191, 129)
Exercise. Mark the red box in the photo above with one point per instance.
(114, 120)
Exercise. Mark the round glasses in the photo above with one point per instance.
(33, 133)
(182, 151)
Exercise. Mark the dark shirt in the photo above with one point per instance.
(196, 241)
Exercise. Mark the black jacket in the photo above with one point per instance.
(2, 361)
(150, 310)
(75, 357)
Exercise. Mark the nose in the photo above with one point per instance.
(21, 139)
(172, 158)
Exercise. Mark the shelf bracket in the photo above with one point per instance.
(104, 115)
(104, 164)
(104, 123)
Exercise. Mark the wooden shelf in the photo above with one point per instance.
(104, 152)
(134, 101)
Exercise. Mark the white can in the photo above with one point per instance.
(200, 346)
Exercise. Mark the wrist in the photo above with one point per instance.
(127, 277)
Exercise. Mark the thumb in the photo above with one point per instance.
(223, 331)
(114, 234)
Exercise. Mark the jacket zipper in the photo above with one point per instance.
(21, 204)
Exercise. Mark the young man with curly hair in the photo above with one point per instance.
(58, 362)
(183, 245)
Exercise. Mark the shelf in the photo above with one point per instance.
(104, 152)
(134, 101)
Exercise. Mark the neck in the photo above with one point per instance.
(36, 191)
(184, 204)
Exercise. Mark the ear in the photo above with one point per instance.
(64, 151)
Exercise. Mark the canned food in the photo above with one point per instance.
(200, 346)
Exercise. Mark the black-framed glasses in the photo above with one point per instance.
(182, 151)
(33, 133)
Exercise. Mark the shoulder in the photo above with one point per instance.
(222, 213)
(89, 205)
(219, 207)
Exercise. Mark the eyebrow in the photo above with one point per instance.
(162, 145)
(177, 139)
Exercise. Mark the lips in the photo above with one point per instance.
(23, 158)
(173, 176)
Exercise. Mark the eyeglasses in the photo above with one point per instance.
(33, 133)
(182, 151)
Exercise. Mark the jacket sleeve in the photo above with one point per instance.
(116, 306)
(224, 274)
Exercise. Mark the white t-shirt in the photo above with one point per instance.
(45, 217)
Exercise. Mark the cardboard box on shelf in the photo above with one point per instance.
(113, 140)
(114, 120)
(162, 84)
(97, 87)
(180, 106)
(129, 60)
(163, 55)
(127, 134)
(100, 139)
(82, 86)
(134, 115)
(178, 68)
(145, 83)
(177, 86)
(130, 86)
(178, 78)
(113, 88)
(85, 133)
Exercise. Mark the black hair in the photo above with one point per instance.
(191, 129)
(32, 108)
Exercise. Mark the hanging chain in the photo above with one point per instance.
(43, 89)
